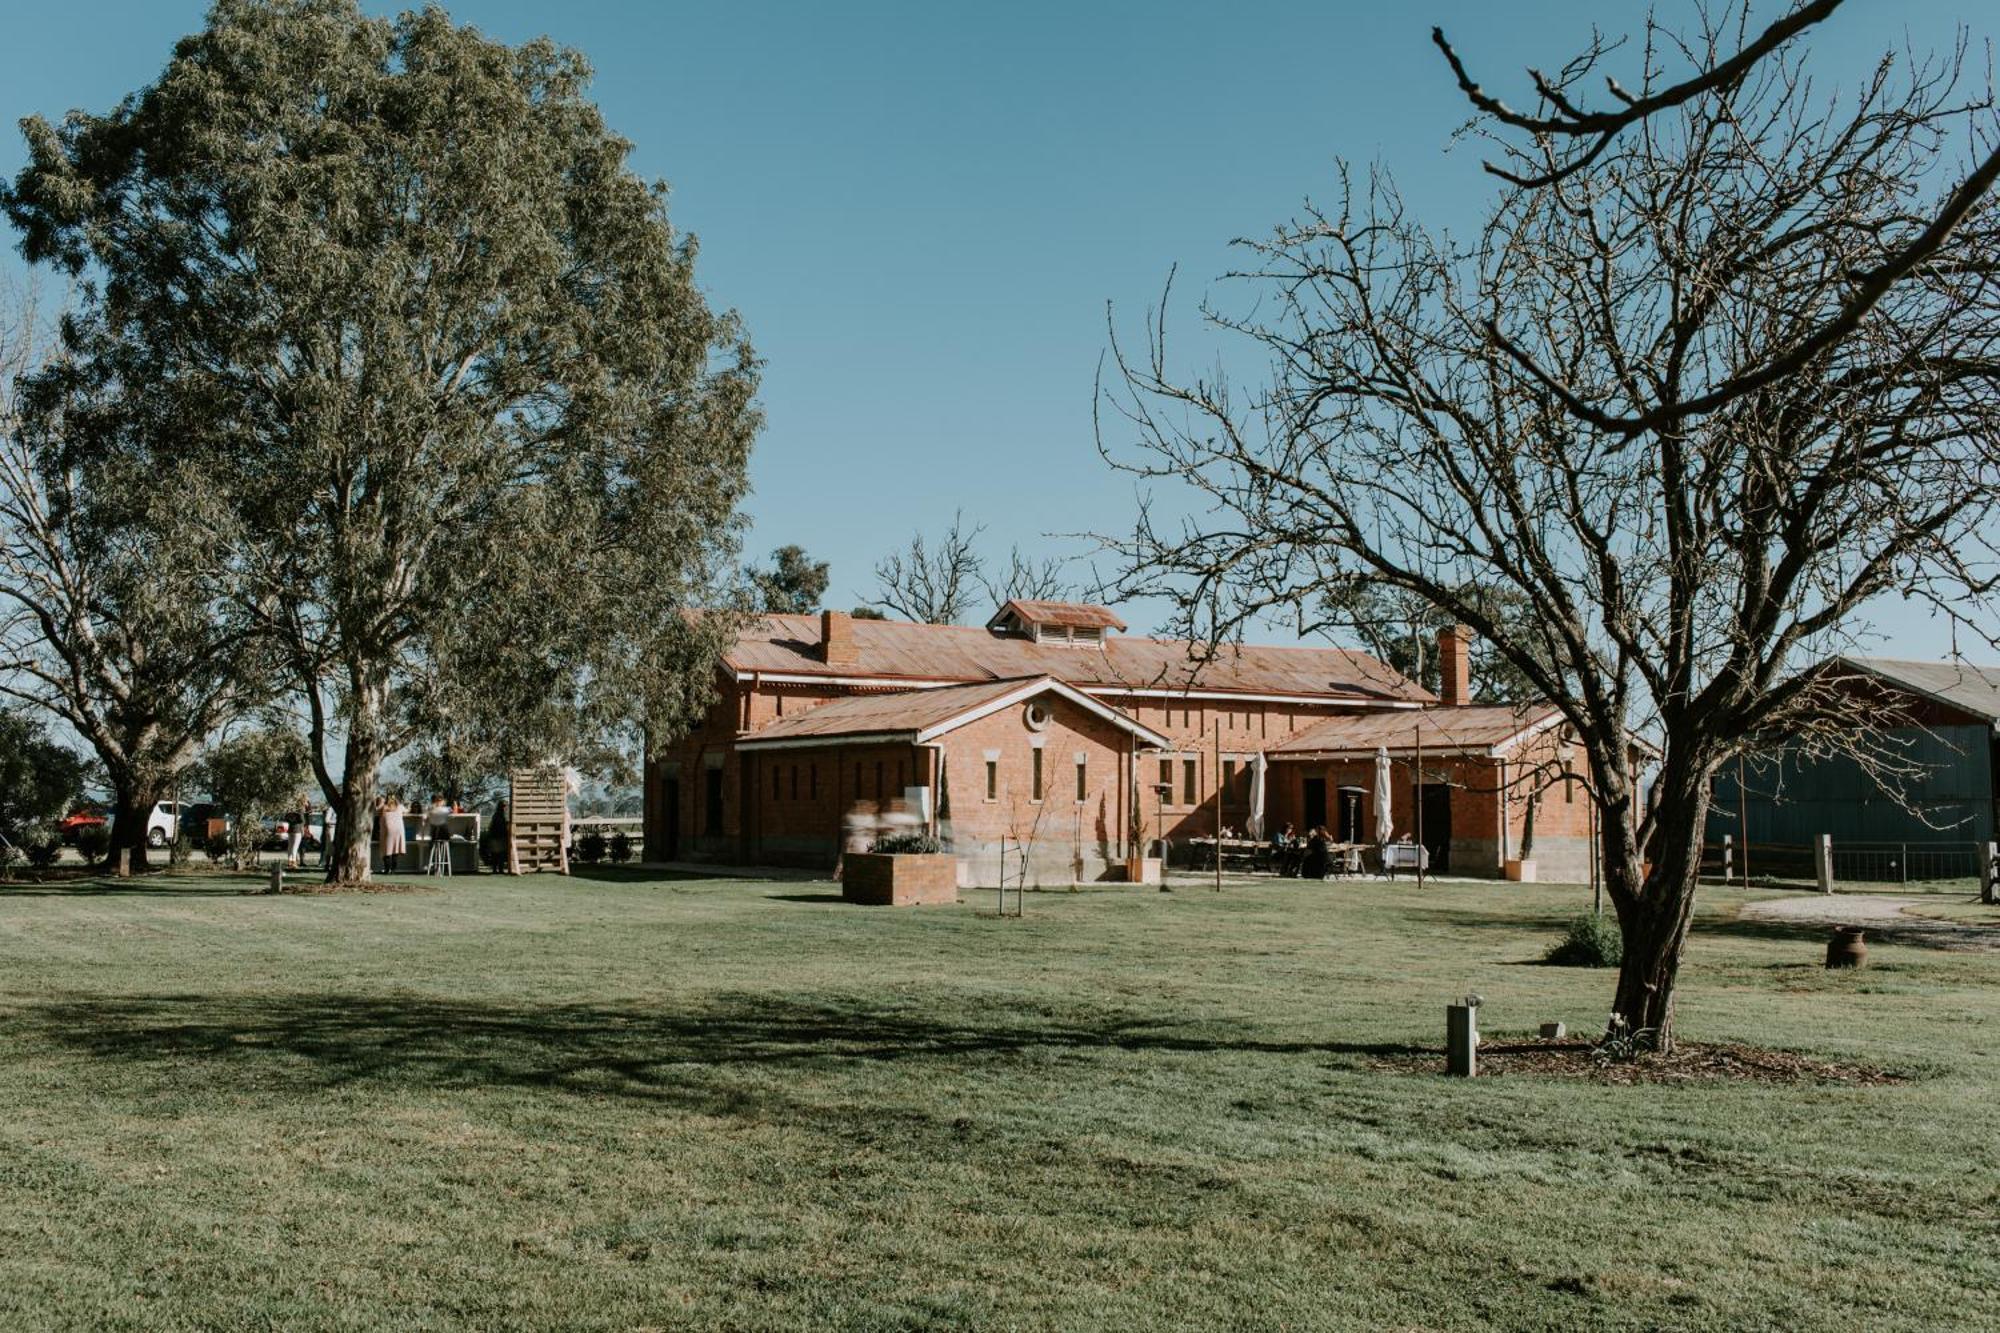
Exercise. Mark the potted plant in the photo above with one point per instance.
(903, 870)
(1139, 867)
(1521, 870)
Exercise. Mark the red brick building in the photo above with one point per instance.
(1041, 734)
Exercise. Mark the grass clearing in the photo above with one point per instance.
(627, 1102)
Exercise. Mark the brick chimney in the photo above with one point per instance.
(1455, 665)
(836, 639)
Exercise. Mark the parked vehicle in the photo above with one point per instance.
(163, 825)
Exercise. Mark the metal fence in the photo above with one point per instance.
(1938, 863)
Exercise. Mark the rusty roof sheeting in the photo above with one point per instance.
(913, 713)
(1076, 615)
(1481, 729)
(903, 651)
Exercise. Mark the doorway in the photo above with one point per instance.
(1436, 799)
(1315, 803)
(670, 822)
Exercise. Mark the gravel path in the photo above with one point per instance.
(1884, 918)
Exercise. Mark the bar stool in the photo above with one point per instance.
(438, 862)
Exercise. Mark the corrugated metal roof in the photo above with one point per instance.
(914, 713)
(1975, 689)
(1076, 615)
(903, 651)
(1477, 730)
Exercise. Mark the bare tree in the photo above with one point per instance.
(1031, 580)
(1707, 380)
(107, 620)
(931, 584)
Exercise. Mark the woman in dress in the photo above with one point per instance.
(392, 831)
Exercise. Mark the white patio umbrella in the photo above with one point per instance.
(1255, 824)
(1385, 822)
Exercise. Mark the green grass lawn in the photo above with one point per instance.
(632, 1103)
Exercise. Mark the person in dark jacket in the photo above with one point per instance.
(1315, 863)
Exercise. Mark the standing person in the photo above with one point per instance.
(326, 822)
(295, 834)
(437, 823)
(392, 831)
(494, 843)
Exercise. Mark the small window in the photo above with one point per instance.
(1037, 783)
(1229, 777)
(992, 779)
(1082, 780)
(712, 801)
(1167, 774)
(1190, 795)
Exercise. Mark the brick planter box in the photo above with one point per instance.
(883, 879)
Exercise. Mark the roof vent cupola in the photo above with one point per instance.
(1076, 623)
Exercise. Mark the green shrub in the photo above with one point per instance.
(10, 856)
(908, 844)
(620, 849)
(41, 844)
(1590, 941)
(93, 840)
(590, 848)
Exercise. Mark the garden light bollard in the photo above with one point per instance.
(1461, 1038)
(278, 878)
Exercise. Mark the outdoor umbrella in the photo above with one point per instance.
(1385, 824)
(1255, 824)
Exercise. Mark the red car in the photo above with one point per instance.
(83, 817)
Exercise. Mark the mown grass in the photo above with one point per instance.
(622, 1102)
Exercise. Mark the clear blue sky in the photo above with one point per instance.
(922, 209)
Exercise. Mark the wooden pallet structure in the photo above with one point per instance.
(537, 834)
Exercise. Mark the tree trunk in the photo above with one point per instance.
(1653, 922)
(131, 808)
(348, 859)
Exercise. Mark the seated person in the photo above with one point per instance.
(1315, 866)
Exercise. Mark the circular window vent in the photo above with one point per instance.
(1036, 716)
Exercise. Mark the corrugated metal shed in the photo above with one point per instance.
(1974, 689)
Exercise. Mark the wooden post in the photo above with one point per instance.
(1417, 797)
(1218, 805)
(1823, 861)
(1743, 817)
(1461, 1039)
(1989, 882)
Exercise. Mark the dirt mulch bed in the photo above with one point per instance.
(1691, 1062)
(314, 887)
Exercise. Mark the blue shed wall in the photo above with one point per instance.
(1790, 800)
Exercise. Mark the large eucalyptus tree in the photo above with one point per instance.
(388, 293)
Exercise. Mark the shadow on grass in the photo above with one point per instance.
(147, 886)
(834, 897)
(708, 1057)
